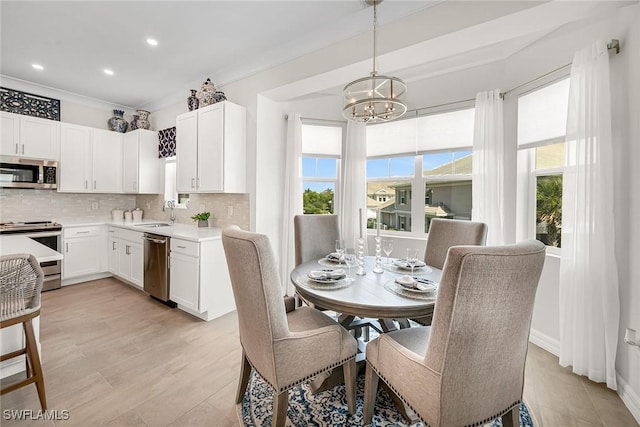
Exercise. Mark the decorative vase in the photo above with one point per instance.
(117, 123)
(219, 96)
(206, 94)
(134, 123)
(192, 100)
(203, 224)
(143, 119)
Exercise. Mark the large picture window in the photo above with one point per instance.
(420, 168)
(542, 116)
(321, 147)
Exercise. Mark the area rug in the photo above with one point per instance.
(328, 408)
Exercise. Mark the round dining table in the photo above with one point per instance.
(370, 295)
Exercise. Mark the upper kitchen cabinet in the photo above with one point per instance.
(143, 170)
(31, 137)
(90, 160)
(211, 149)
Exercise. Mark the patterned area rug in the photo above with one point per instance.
(328, 408)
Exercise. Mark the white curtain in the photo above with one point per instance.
(589, 302)
(353, 185)
(488, 165)
(292, 200)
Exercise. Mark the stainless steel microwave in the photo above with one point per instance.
(17, 172)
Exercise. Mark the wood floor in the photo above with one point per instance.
(112, 356)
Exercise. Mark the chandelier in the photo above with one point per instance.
(374, 98)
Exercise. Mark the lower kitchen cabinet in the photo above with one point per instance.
(130, 259)
(84, 252)
(200, 288)
(112, 249)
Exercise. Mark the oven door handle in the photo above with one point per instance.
(38, 234)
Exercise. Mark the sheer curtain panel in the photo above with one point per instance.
(488, 165)
(589, 302)
(292, 200)
(353, 185)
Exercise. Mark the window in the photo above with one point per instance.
(321, 148)
(170, 189)
(542, 116)
(424, 164)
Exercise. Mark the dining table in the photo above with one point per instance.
(371, 299)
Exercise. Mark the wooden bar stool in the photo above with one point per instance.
(20, 287)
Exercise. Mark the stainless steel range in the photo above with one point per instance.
(47, 233)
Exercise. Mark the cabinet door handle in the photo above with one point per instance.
(85, 184)
(22, 148)
(82, 232)
(94, 184)
(17, 149)
(181, 247)
(113, 246)
(66, 247)
(197, 182)
(193, 180)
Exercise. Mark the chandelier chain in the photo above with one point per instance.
(375, 34)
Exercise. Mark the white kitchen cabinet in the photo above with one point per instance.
(31, 137)
(90, 160)
(130, 257)
(84, 251)
(200, 288)
(143, 170)
(210, 149)
(107, 161)
(112, 250)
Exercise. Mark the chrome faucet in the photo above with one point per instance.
(170, 204)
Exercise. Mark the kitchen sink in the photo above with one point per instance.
(153, 224)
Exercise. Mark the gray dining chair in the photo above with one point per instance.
(285, 348)
(20, 286)
(445, 233)
(468, 367)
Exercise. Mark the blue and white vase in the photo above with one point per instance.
(117, 123)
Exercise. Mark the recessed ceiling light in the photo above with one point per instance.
(152, 42)
(108, 72)
(37, 67)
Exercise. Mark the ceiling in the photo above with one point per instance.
(225, 40)
(230, 40)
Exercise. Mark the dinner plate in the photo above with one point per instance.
(333, 276)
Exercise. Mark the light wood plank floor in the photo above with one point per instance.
(112, 356)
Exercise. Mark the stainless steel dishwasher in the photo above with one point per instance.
(156, 267)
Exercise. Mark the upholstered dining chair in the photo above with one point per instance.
(20, 287)
(444, 233)
(284, 348)
(467, 368)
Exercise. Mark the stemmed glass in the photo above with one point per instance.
(340, 249)
(412, 259)
(350, 259)
(387, 247)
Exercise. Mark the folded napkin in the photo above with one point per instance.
(333, 256)
(403, 263)
(327, 274)
(416, 283)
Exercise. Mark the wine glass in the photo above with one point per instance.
(349, 259)
(340, 249)
(387, 247)
(412, 259)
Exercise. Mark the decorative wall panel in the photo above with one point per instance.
(29, 104)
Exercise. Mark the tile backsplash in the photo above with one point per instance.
(35, 205)
(226, 209)
(48, 205)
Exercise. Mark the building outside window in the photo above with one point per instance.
(321, 148)
(542, 116)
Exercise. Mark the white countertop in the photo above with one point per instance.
(178, 231)
(17, 244)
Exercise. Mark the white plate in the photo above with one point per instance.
(403, 264)
(424, 286)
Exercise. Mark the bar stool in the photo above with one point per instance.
(20, 286)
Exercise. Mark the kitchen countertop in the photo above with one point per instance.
(178, 231)
(16, 244)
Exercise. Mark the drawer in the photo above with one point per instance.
(92, 230)
(130, 235)
(185, 247)
(113, 233)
